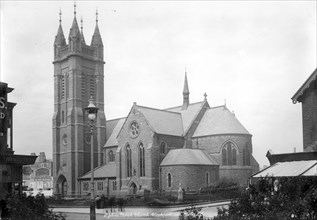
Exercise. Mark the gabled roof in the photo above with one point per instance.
(107, 170)
(113, 128)
(162, 121)
(290, 169)
(189, 114)
(186, 156)
(219, 120)
(301, 90)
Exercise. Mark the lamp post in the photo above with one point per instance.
(92, 115)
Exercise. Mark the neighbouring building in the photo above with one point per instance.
(307, 95)
(150, 149)
(39, 175)
(10, 163)
(300, 163)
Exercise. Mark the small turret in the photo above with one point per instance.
(59, 38)
(74, 35)
(185, 94)
(96, 40)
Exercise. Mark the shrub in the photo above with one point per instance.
(30, 207)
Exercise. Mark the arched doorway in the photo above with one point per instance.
(133, 188)
(61, 186)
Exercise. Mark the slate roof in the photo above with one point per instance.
(290, 169)
(113, 126)
(163, 122)
(301, 90)
(189, 114)
(107, 170)
(186, 156)
(219, 120)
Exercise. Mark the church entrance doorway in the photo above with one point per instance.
(133, 188)
(61, 186)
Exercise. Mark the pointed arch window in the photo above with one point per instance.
(247, 155)
(229, 154)
(163, 147)
(142, 160)
(234, 156)
(111, 156)
(207, 178)
(129, 161)
(169, 180)
(224, 156)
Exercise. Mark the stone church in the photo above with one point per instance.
(190, 145)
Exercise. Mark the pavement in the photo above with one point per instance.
(172, 212)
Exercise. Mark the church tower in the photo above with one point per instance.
(78, 75)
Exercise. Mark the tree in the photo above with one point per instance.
(269, 198)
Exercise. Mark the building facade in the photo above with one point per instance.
(39, 176)
(299, 164)
(307, 95)
(131, 150)
(10, 163)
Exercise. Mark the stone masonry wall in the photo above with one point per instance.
(191, 177)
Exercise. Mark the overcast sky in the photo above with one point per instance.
(255, 55)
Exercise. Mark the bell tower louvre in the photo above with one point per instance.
(78, 75)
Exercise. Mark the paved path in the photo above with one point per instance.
(208, 210)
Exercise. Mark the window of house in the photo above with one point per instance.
(129, 161)
(100, 186)
(229, 154)
(163, 148)
(85, 186)
(142, 160)
(111, 156)
(169, 180)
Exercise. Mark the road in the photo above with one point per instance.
(136, 213)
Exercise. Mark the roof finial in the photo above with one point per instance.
(225, 102)
(205, 95)
(97, 16)
(75, 8)
(60, 16)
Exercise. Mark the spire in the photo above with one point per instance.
(96, 38)
(60, 38)
(185, 93)
(82, 38)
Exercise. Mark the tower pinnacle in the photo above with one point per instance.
(82, 38)
(74, 8)
(185, 93)
(96, 16)
(60, 16)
